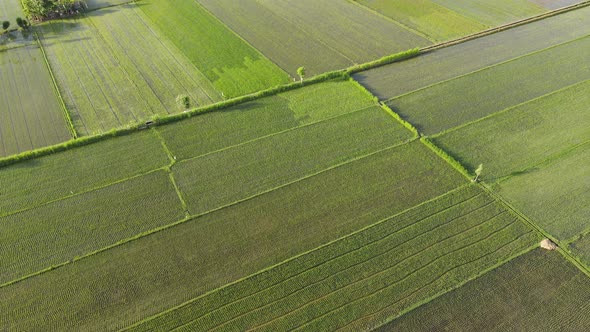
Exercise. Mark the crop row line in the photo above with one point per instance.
(342, 255)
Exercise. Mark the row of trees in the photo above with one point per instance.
(23, 24)
(43, 9)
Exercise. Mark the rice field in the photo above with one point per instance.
(10, 10)
(321, 36)
(536, 291)
(493, 12)
(31, 115)
(105, 75)
(97, 4)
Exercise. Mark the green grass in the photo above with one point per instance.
(37, 181)
(113, 69)
(519, 138)
(538, 291)
(443, 64)
(493, 12)
(554, 195)
(375, 272)
(128, 283)
(31, 115)
(433, 20)
(58, 232)
(322, 36)
(239, 172)
(233, 66)
(467, 98)
(10, 10)
(245, 122)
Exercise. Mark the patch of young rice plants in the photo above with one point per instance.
(10, 10)
(581, 248)
(234, 67)
(96, 4)
(60, 231)
(556, 4)
(554, 195)
(519, 138)
(467, 98)
(493, 12)
(128, 283)
(358, 280)
(249, 121)
(449, 62)
(31, 115)
(538, 291)
(113, 69)
(30, 183)
(321, 36)
(248, 169)
(433, 20)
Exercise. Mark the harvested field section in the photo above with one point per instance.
(239, 172)
(31, 115)
(438, 23)
(345, 274)
(538, 291)
(61, 231)
(554, 195)
(493, 12)
(320, 35)
(128, 283)
(522, 137)
(234, 67)
(105, 75)
(41, 180)
(443, 64)
(249, 121)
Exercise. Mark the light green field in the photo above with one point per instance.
(112, 70)
(359, 280)
(493, 12)
(249, 169)
(60, 231)
(128, 283)
(438, 23)
(554, 195)
(10, 10)
(519, 138)
(30, 112)
(399, 78)
(95, 4)
(538, 291)
(467, 98)
(31, 183)
(320, 35)
(555, 4)
(234, 67)
(249, 121)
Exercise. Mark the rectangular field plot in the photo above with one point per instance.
(31, 115)
(31, 183)
(10, 10)
(96, 4)
(438, 23)
(554, 195)
(60, 231)
(249, 169)
(467, 98)
(555, 4)
(320, 35)
(361, 279)
(444, 64)
(519, 138)
(538, 291)
(234, 67)
(128, 283)
(222, 129)
(112, 70)
(493, 12)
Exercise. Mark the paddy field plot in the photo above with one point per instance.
(539, 290)
(96, 4)
(10, 10)
(493, 12)
(361, 279)
(470, 97)
(41, 180)
(434, 21)
(321, 36)
(60, 231)
(31, 115)
(141, 278)
(555, 4)
(443, 64)
(233, 66)
(112, 69)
